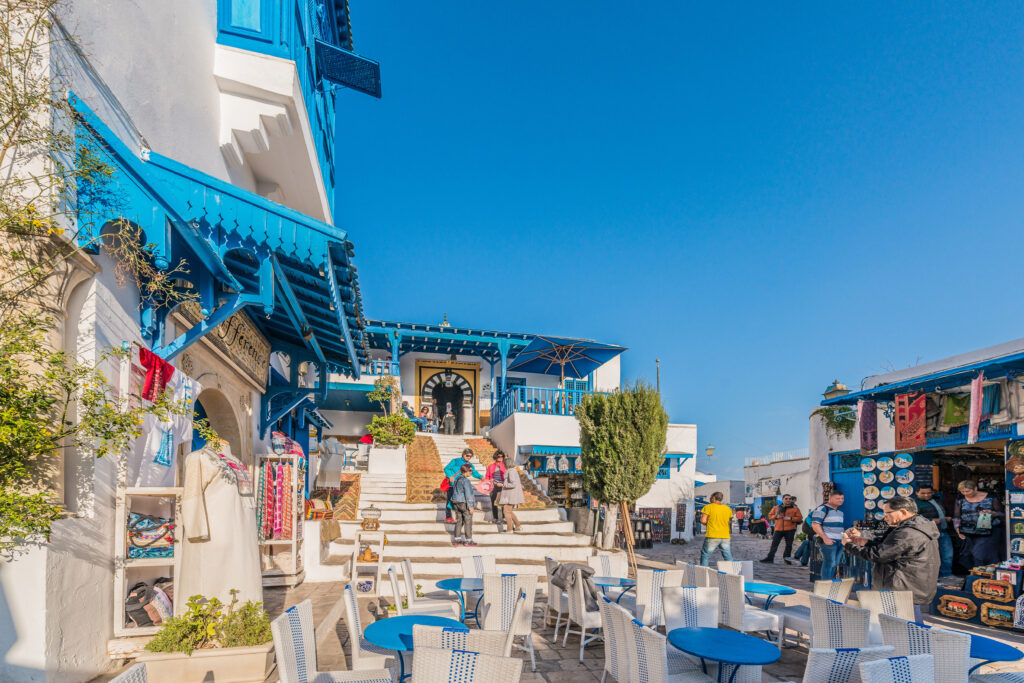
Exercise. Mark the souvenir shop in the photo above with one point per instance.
(945, 434)
(558, 471)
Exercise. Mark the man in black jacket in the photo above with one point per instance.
(905, 556)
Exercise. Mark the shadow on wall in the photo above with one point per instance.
(9, 638)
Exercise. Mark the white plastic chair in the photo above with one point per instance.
(688, 607)
(365, 655)
(835, 625)
(913, 669)
(476, 566)
(295, 649)
(841, 666)
(502, 611)
(448, 638)
(558, 601)
(609, 564)
(442, 609)
(613, 627)
(951, 650)
(744, 568)
(136, 674)
(690, 577)
(737, 615)
(578, 614)
(434, 665)
(415, 602)
(649, 583)
(899, 604)
(650, 660)
(798, 617)
(706, 576)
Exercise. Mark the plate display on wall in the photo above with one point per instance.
(871, 492)
(905, 476)
(904, 460)
(905, 490)
(884, 463)
(870, 505)
(888, 492)
(869, 478)
(867, 464)
(886, 476)
(879, 515)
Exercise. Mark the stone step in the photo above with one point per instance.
(430, 551)
(479, 526)
(427, 512)
(365, 498)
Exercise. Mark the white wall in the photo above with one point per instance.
(608, 377)
(23, 617)
(793, 475)
(347, 422)
(527, 429)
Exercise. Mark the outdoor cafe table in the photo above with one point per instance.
(614, 582)
(395, 633)
(728, 648)
(460, 586)
(989, 650)
(770, 590)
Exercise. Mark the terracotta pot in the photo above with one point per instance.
(216, 665)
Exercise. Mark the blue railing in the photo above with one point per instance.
(538, 401)
(381, 367)
(289, 30)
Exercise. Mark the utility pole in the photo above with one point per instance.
(657, 362)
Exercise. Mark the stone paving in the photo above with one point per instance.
(555, 663)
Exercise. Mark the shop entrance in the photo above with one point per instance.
(446, 391)
(215, 407)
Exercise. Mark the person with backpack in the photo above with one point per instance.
(451, 471)
(828, 524)
(803, 553)
(463, 497)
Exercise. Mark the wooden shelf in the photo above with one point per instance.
(149, 562)
(154, 491)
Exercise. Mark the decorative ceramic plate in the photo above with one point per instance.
(879, 515)
(884, 463)
(905, 490)
(870, 504)
(904, 460)
(886, 476)
(888, 492)
(869, 478)
(871, 492)
(867, 464)
(905, 476)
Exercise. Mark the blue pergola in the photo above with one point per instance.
(292, 273)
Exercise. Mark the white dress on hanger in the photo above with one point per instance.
(219, 547)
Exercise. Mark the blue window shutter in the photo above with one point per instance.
(348, 69)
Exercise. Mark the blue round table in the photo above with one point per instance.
(395, 633)
(770, 590)
(614, 582)
(989, 650)
(460, 586)
(728, 648)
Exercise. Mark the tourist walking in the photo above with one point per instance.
(449, 423)
(977, 519)
(932, 510)
(463, 496)
(905, 557)
(828, 523)
(496, 475)
(451, 471)
(787, 520)
(717, 518)
(511, 495)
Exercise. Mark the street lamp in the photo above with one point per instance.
(709, 450)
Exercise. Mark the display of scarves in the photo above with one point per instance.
(957, 411)
(158, 373)
(278, 501)
(911, 410)
(974, 424)
(867, 418)
(288, 506)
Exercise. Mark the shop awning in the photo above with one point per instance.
(551, 450)
(401, 338)
(564, 356)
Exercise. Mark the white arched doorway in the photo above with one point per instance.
(452, 390)
(215, 407)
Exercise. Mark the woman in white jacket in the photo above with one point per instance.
(511, 495)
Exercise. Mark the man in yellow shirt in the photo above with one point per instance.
(718, 519)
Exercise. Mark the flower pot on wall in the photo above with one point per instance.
(215, 665)
(386, 460)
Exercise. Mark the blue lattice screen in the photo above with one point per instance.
(348, 69)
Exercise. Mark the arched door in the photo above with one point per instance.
(451, 391)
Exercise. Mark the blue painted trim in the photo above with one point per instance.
(298, 318)
(339, 310)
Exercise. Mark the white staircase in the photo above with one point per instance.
(418, 531)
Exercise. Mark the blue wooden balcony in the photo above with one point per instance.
(538, 401)
(381, 367)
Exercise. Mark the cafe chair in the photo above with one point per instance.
(441, 609)
(744, 568)
(613, 626)
(904, 669)
(508, 606)
(476, 566)
(415, 602)
(136, 674)
(579, 615)
(558, 601)
(649, 582)
(841, 665)
(689, 606)
(295, 649)
(609, 564)
(835, 625)
(434, 665)
(365, 655)
(690, 574)
(739, 616)
(951, 650)
(899, 604)
(449, 638)
(798, 617)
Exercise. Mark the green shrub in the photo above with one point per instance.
(210, 623)
(394, 430)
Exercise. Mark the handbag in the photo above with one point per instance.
(445, 485)
(149, 536)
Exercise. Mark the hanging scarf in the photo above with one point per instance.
(867, 418)
(288, 505)
(974, 424)
(158, 373)
(278, 500)
(910, 421)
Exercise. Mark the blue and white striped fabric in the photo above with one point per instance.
(434, 665)
(912, 669)
(841, 664)
(454, 638)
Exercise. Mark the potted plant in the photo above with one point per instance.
(391, 433)
(212, 641)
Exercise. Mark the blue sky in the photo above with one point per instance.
(763, 196)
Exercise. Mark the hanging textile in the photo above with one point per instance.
(977, 393)
(991, 402)
(158, 373)
(867, 418)
(161, 439)
(910, 419)
(958, 410)
(288, 504)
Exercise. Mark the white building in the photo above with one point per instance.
(787, 472)
(734, 491)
